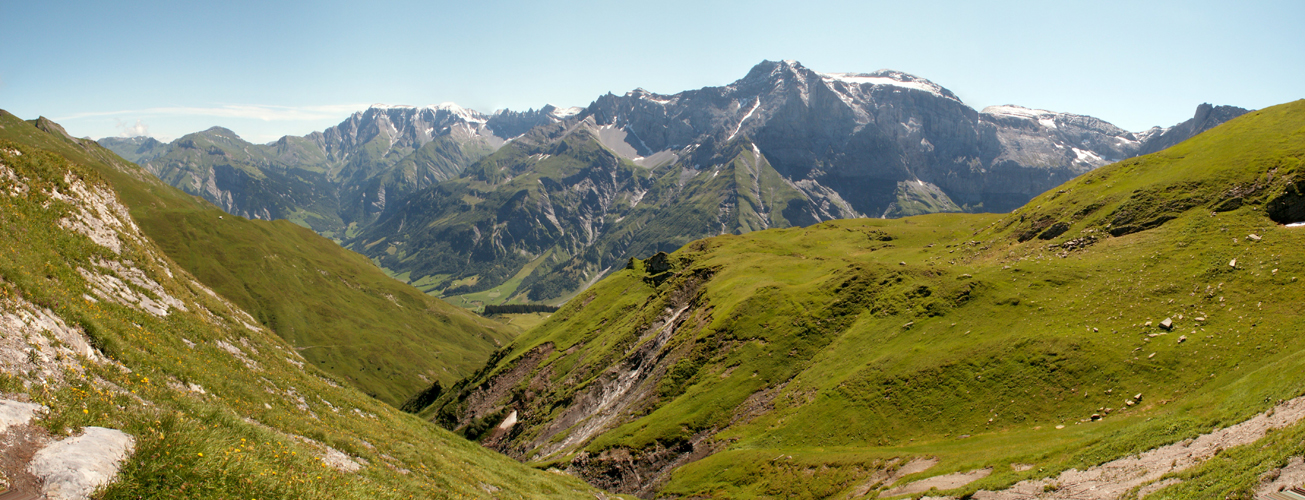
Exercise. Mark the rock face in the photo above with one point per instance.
(865, 135)
(1207, 117)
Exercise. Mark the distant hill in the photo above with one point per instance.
(1139, 305)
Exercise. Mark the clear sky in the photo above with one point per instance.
(266, 69)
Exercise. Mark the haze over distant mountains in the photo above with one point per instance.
(535, 205)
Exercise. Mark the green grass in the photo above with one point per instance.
(342, 313)
(243, 433)
(894, 338)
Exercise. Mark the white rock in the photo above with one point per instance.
(73, 468)
(14, 413)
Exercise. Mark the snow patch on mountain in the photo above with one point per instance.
(891, 78)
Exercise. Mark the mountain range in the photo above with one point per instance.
(533, 206)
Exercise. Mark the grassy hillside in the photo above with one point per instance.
(342, 313)
(817, 361)
(100, 327)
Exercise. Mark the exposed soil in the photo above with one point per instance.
(17, 446)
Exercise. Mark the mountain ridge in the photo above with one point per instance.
(882, 144)
(879, 144)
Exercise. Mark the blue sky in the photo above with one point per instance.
(266, 69)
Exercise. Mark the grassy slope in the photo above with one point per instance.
(344, 314)
(242, 433)
(885, 338)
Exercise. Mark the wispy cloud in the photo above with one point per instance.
(255, 112)
(139, 129)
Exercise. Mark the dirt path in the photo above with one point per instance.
(1112, 479)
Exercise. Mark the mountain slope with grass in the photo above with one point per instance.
(119, 365)
(1148, 302)
(342, 313)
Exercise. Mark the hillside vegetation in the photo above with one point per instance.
(1141, 304)
(108, 335)
(343, 314)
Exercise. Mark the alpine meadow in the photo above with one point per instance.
(1049, 251)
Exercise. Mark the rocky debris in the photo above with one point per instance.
(1113, 479)
(338, 460)
(38, 346)
(1167, 324)
(74, 467)
(239, 354)
(113, 288)
(1253, 237)
(1232, 263)
(1182, 339)
(99, 216)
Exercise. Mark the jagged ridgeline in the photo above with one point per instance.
(533, 206)
(559, 207)
(1145, 303)
(344, 315)
(122, 375)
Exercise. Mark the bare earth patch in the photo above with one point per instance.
(885, 477)
(1292, 474)
(943, 482)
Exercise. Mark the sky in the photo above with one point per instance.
(267, 69)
